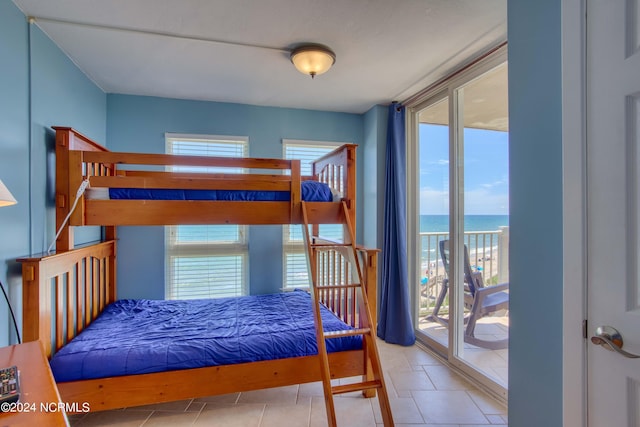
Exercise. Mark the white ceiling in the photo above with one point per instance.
(386, 50)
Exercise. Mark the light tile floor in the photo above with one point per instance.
(422, 392)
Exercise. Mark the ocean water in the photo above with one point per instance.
(440, 223)
(481, 237)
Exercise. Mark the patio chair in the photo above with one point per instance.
(479, 300)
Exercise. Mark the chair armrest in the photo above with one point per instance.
(495, 288)
(483, 293)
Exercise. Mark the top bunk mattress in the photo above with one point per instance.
(311, 191)
(143, 336)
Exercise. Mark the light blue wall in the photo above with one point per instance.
(535, 148)
(40, 87)
(14, 155)
(61, 95)
(137, 123)
(372, 183)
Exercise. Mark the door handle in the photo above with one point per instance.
(609, 338)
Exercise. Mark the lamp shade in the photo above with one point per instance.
(313, 59)
(6, 198)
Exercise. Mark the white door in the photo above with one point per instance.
(613, 208)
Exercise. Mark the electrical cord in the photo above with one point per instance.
(79, 193)
(15, 324)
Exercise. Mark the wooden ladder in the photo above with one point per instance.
(374, 380)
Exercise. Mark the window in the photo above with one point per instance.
(294, 257)
(206, 261)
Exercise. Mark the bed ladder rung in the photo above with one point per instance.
(348, 266)
(329, 287)
(347, 388)
(346, 333)
(329, 246)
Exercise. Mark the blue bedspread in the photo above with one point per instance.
(312, 191)
(143, 336)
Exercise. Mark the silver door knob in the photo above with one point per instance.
(609, 338)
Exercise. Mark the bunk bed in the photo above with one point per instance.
(78, 158)
(71, 292)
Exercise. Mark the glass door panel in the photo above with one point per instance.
(484, 182)
(433, 220)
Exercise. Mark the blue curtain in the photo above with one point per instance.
(394, 320)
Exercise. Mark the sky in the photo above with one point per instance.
(486, 166)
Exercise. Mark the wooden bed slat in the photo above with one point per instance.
(171, 182)
(211, 176)
(88, 286)
(94, 288)
(171, 212)
(71, 310)
(179, 160)
(59, 307)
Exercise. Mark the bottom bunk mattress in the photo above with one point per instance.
(143, 336)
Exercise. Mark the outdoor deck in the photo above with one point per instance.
(488, 253)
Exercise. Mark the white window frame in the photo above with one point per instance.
(290, 247)
(233, 248)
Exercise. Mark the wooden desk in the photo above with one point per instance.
(37, 388)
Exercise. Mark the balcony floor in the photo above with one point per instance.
(493, 363)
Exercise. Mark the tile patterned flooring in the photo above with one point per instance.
(422, 391)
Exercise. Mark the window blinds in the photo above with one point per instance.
(295, 270)
(206, 261)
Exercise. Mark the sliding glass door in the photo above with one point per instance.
(433, 220)
(460, 230)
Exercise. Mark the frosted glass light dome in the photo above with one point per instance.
(313, 59)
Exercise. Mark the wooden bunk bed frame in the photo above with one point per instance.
(79, 158)
(64, 292)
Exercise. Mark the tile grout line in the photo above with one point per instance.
(147, 419)
(204, 405)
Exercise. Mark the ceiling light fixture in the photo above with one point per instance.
(312, 59)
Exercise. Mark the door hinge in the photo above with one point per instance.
(584, 329)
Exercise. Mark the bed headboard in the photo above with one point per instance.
(338, 170)
(69, 176)
(64, 292)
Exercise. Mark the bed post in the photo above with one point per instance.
(110, 235)
(36, 305)
(370, 276)
(296, 193)
(370, 271)
(351, 185)
(65, 240)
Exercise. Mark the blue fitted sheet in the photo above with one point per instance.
(142, 336)
(312, 191)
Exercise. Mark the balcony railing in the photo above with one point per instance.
(488, 253)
